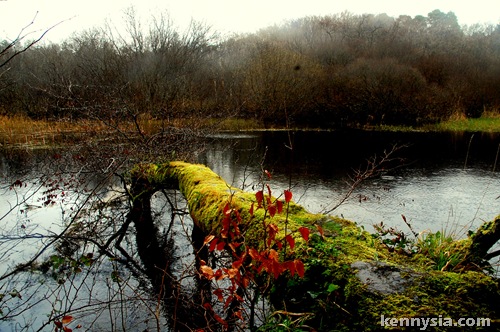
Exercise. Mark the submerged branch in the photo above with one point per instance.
(374, 167)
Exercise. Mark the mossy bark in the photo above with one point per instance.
(482, 241)
(338, 287)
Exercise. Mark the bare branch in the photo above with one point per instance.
(375, 166)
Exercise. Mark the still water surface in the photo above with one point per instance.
(438, 182)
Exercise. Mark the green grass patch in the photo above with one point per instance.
(489, 123)
(483, 124)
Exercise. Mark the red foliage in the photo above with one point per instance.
(248, 261)
(320, 230)
(304, 231)
(64, 321)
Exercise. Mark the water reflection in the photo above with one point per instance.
(49, 195)
(447, 180)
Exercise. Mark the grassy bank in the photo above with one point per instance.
(20, 131)
(489, 124)
(23, 131)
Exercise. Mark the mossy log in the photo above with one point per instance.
(482, 241)
(351, 279)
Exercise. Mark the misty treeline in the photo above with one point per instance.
(332, 71)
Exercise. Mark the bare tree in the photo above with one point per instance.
(13, 48)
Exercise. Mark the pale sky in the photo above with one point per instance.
(224, 16)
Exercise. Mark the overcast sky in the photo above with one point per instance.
(224, 15)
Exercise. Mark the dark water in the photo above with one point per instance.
(439, 181)
(445, 182)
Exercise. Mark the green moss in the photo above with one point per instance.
(330, 288)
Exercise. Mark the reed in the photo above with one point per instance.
(20, 130)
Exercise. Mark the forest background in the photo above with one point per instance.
(341, 70)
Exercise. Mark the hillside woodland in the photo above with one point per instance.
(322, 71)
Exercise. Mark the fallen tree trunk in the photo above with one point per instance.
(351, 280)
(482, 241)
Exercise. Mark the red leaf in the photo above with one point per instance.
(288, 196)
(208, 238)
(268, 190)
(320, 230)
(227, 210)
(290, 265)
(304, 231)
(67, 329)
(220, 246)
(207, 271)
(225, 227)
(299, 267)
(237, 264)
(259, 195)
(279, 205)
(218, 293)
(234, 246)
(268, 174)
(254, 254)
(228, 301)
(277, 269)
(218, 275)
(212, 245)
(67, 319)
(232, 273)
(251, 209)
(290, 240)
(238, 216)
(239, 315)
(273, 230)
(272, 209)
(220, 320)
(245, 281)
(58, 324)
(235, 232)
(273, 254)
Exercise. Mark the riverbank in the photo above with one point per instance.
(19, 131)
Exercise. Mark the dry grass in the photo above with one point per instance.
(22, 131)
(19, 130)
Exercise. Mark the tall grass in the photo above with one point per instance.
(489, 122)
(20, 130)
(443, 248)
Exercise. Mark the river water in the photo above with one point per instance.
(439, 182)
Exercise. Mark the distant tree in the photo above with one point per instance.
(381, 92)
(279, 82)
(306, 69)
(11, 49)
